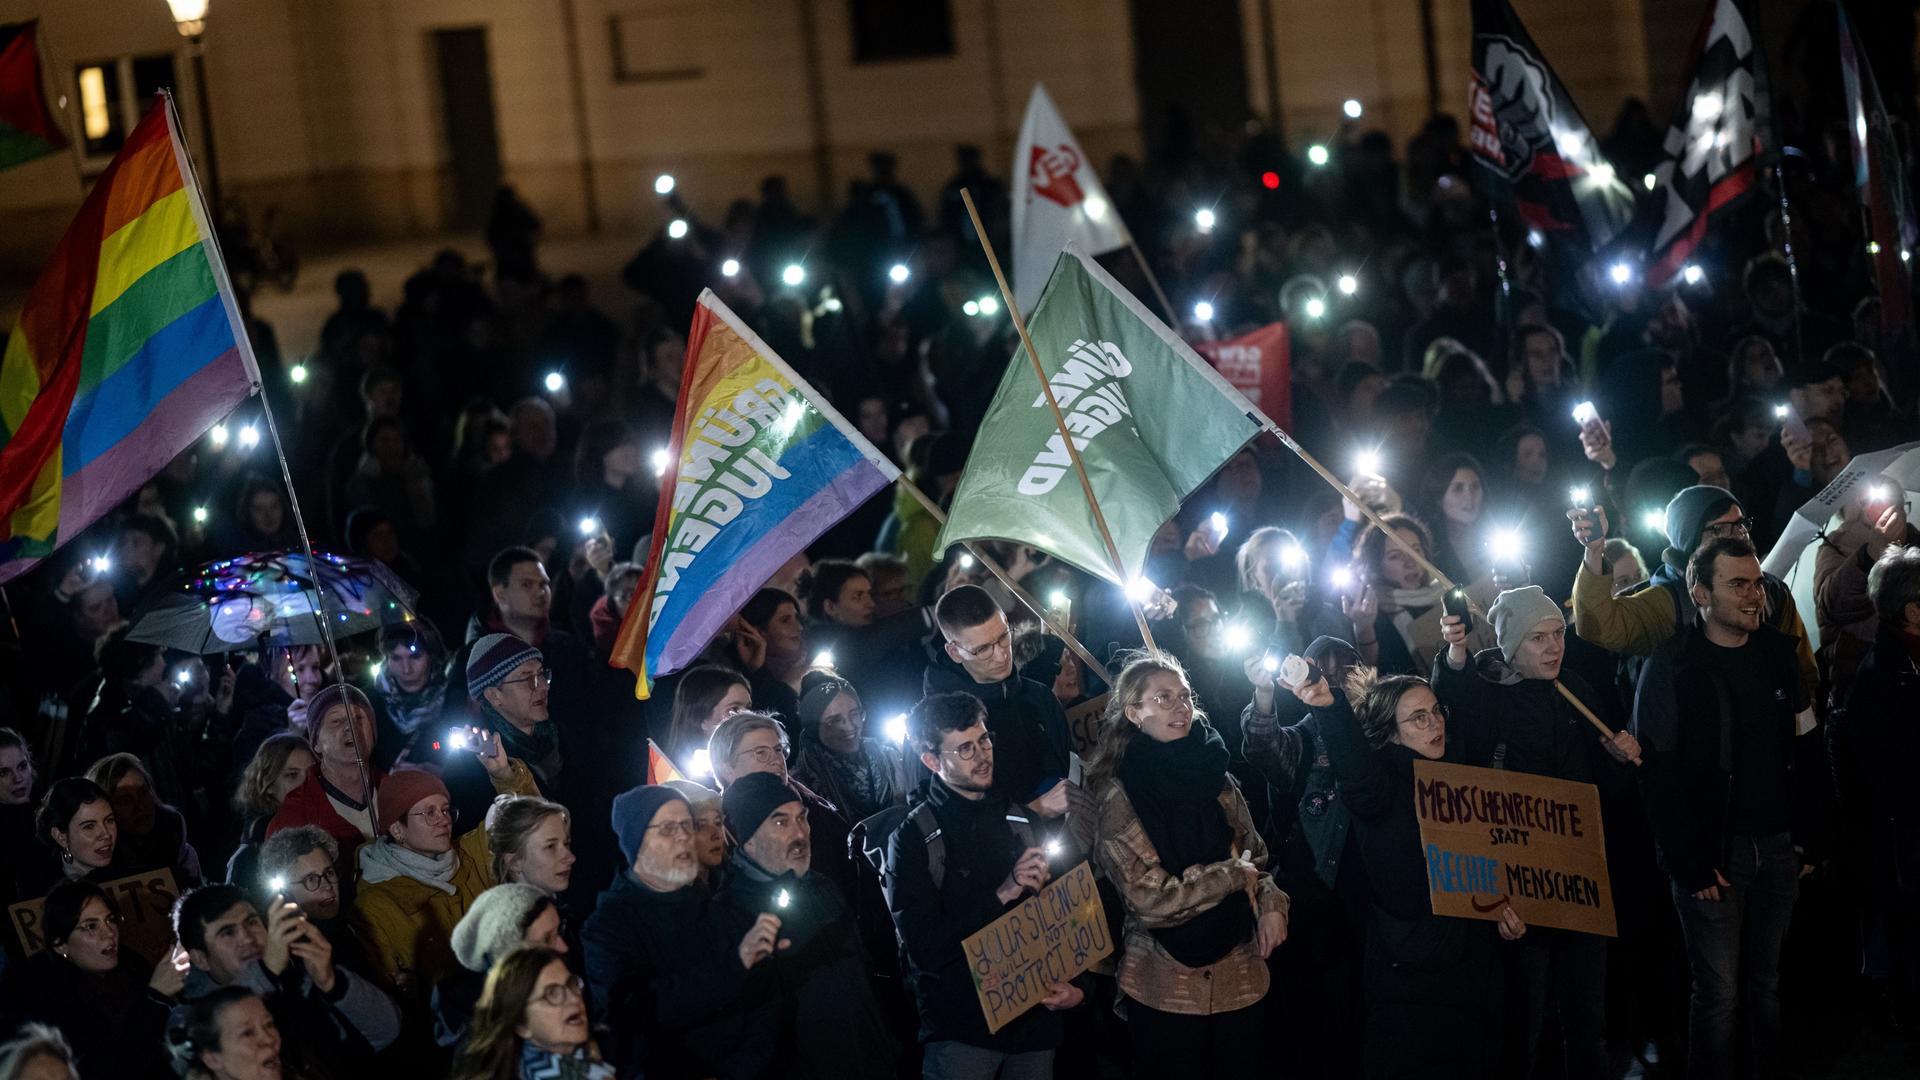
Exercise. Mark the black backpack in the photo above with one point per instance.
(871, 835)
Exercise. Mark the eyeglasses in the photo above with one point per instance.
(330, 878)
(765, 755)
(1427, 718)
(436, 813)
(1721, 530)
(851, 718)
(98, 927)
(556, 994)
(673, 830)
(544, 677)
(1003, 643)
(969, 751)
(1164, 699)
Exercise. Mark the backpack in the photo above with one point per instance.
(870, 836)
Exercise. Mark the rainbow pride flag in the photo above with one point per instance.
(761, 466)
(130, 346)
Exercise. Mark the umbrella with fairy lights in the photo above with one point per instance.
(273, 598)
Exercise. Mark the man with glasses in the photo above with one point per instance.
(815, 995)
(749, 742)
(657, 959)
(508, 683)
(1735, 790)
(416, 881)
(1506, 696)
(987, 862)
(1637, 623)
(332, 1016)
(1032, 746)
(302, 864)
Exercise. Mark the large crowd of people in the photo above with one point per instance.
(433, 849)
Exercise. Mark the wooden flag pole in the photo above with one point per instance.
(1166, 305)
(1059, 420)
(992, 564)
(1393, 537)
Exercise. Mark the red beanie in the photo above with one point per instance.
(402, 790)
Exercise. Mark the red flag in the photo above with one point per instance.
(27, 127)
(1259, 366)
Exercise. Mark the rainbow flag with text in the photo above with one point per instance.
(761, 466)
(130, 346)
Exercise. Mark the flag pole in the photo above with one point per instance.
(999, 572)
(1793, 263)
(1393, 537)
(1059, 421)
(1166, 305)
(225, 284)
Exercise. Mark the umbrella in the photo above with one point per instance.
(1793, 555)
(272, 599)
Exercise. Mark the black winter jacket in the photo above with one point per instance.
(1031, 743)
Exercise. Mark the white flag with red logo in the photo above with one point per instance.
(1057, 198)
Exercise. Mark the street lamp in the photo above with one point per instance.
(190, 18)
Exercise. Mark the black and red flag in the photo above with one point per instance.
(1719, 130)
(1538, 159)
(27, 127)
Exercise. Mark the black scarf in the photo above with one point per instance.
(1175, 791)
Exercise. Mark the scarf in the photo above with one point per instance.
(582, 1064)
(385, 860)
(409, 711)
(1175, 791)
(862, 783)
(540, 749)
(1400, 605)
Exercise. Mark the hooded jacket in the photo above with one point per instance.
(1031, 743)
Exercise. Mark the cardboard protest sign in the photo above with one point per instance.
(1258, 365)
(1493, 837)
(145, 904)
(1050, 938)
(1083, 724)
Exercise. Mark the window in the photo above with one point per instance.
(901, 30)
(114, 94)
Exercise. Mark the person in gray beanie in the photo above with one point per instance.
(502, 919)
(660, 961)
(1637, 623)
(1509, 693)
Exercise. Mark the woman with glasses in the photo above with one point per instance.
(505, 918)
(532, 1024)
(751, 742)
(836, 758)
(1421, 1018)
(1202, 914)
(417, 881)
(109, 1001)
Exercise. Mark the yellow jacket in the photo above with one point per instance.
(407, 925)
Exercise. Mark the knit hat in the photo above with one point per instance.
(493, 659)
(330, 697)
(633, 811)
(1687, 517)
(1516, 612)
(494, 924)
(403, 789)
(818, 691)
(697, 795)
(751, 799)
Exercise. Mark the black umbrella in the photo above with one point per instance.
(273, 598)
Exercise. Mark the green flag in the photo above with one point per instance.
(1151, 419)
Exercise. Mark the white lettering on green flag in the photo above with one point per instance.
(1150, 419)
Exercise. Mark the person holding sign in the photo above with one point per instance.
(1202, 914)
(1735, 791)
(1510, 690)
(110, 1002)
(1433, 998)
(960, 859)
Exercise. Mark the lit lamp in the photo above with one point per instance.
(190, 18)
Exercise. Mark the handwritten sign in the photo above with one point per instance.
(1049, 939)
(145, 904)
(1083, 724)
(1493, 837)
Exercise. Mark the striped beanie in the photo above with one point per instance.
(493, 659)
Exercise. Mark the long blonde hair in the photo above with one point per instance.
(254, 795)
(1116, 731)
